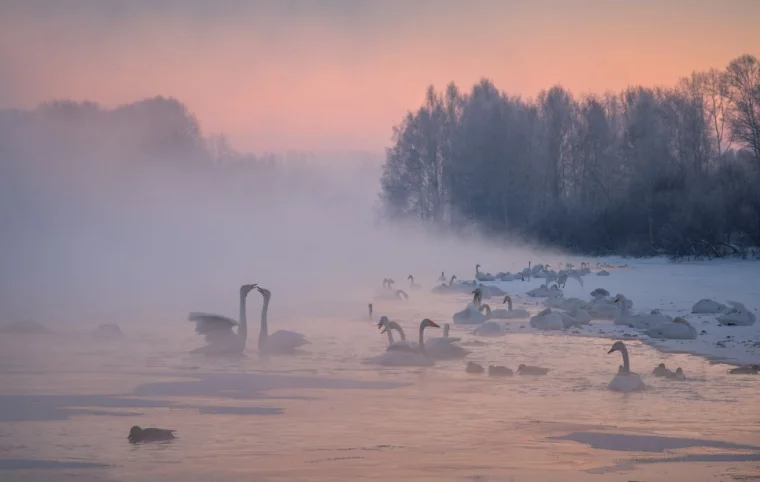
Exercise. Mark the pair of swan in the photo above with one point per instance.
(438, 348)
(410, 355)
(220, 338)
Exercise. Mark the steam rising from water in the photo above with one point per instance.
(147, 243)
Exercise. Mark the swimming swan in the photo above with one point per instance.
(217, 329)
(407, 358)
(509, 313)
(281, 341)
(625, 380)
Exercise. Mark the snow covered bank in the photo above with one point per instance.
(673, 289)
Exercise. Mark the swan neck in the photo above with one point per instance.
(446, 330)
(626, 362)
(388, 331)
(242, 332)
(400, 331)
(422, 340)
(509, 303)
(264, 333)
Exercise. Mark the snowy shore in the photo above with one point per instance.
(673, 289)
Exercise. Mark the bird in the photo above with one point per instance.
(217, 329)
(281, 341)
(137, 434)
(625, 380)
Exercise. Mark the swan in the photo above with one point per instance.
(679, 329)
(603, 273)
(438, 348)
(564, 275)
(600, 293)
(509, 313)
(387, 327)
(531, 370)
(547, 320)
(370, 310)
(281, 341)
(445, 288)
(483, 276)
(471, 315)
(678, 375)
(407, 358)
(707, 306)
(499, 371)
(738, 315)
(624, 317)
(412, 284)
(217, 329)
(137, 434)
(474, 368)
(544, 291)
(442, 277)
(490, 328)
(625, 380)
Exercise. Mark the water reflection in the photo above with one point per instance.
(335, 418)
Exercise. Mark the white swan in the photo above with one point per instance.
(547, 320)
(624, 317)
(407, 358)
(544, 291)
(679, 329)
(483, 276)
(625, 380)
(438, 348)
(707, 306)
(738, 315)
(281, 341)
(217, 329)
(387, 327)
(471, 315)
(490, 328)
(509, 313)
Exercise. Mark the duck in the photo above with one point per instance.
(137, 434)
(531, 370)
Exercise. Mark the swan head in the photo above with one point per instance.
(453, 277)
(134, 433)
(244, 290)
(410, 277)
(617, 346)
(477, 266)
(428, 322)
(506, 298)
(264, 292)
(384, 321)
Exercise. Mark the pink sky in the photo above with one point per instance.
(338, 74)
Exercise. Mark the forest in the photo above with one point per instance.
(647, 171)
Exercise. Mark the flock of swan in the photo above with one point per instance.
(560, 313)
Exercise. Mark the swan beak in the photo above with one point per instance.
(611, 350)
(434, 325)
(382, 332)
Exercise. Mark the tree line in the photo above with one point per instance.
(645, 171)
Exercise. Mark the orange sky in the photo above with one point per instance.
(338, 74)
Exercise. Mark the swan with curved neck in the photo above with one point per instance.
(404, 356)
(625, 380)
(218, 329)
(281, 341)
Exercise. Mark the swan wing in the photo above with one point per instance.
(213, 327)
